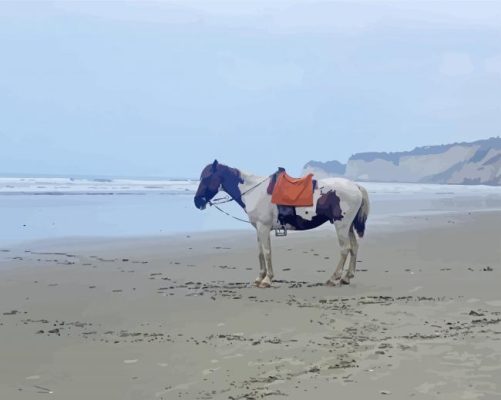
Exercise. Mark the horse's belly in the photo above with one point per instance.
(326, 208)
(305, 225)
(298, 223)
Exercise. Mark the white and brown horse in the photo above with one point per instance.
(338, 200)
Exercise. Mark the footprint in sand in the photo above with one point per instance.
(209, 371)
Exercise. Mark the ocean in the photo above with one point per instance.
(51, 208)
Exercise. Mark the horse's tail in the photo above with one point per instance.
(362, 214)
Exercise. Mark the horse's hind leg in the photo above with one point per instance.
(344, 244)
(353, 257)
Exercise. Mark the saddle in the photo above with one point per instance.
(288, 191)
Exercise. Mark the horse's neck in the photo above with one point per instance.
(254, 193)
(250, 182)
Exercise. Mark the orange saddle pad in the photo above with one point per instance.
(290, 191)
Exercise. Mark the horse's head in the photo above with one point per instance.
(215, 177)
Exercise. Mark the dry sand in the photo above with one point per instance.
(170, 318)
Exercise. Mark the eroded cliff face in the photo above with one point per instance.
(325, 169)
(459, 163)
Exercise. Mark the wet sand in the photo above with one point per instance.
(177, 317)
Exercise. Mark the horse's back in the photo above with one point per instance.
(339, 184)
(349, 193)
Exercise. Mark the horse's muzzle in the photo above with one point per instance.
(200, 202)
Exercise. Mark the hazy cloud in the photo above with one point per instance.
(138, 88)
(456, 64)
(255, 75)
(493, 65)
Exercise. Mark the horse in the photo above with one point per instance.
(342, 202)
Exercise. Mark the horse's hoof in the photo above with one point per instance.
(330, 283)
(264, 285)
(257, 283)
(344, 282)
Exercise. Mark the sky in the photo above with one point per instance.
(160, 89)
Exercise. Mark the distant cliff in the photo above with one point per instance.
(324, 169)
(472, 163)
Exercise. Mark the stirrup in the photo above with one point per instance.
(282, 231)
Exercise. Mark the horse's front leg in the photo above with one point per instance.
(263, 233)
(262, 264)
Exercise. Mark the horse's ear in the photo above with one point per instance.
(214, 165)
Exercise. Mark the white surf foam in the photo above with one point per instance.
(67, 186)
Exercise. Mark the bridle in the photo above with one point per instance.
(229, 199)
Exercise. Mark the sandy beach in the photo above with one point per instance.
(175, 317)
(148, 148)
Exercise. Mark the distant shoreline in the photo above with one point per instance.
(34, 210)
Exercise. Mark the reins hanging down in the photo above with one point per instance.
(228, 214)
